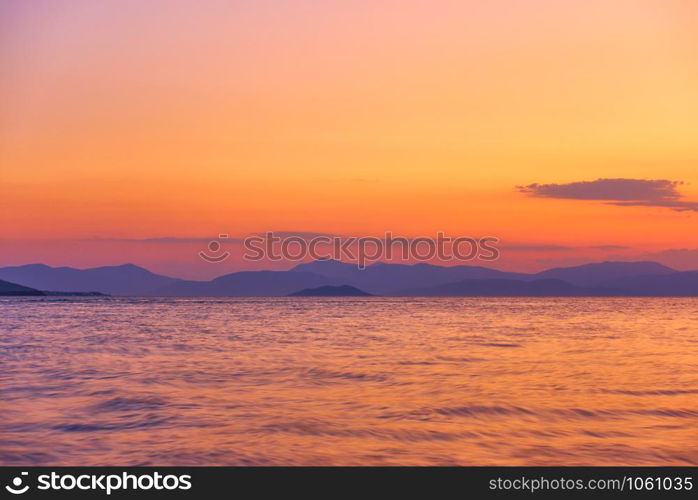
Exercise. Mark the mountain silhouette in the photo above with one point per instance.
(678, 284)
(386, 279)
(7, 288)
(248, 284)
(329, 267)
(511, 288)
(126, 279)
(598, 279)
(331, 291)
(604, 272)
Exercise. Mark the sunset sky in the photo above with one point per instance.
(131, 120)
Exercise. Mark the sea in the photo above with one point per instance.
(348, 381)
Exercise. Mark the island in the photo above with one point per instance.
(331, 291)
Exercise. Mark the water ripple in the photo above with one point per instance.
(377, 381)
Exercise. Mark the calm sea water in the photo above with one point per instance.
(375, 381)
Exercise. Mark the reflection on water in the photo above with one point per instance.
(374, 381)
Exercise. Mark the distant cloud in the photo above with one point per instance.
(298, 234)
(610, 247)
(678, 205)
(525, 247)
(222, 237)
(619, 192)
(536, 248)
(166, 240)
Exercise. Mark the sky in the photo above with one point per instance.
(136, 131)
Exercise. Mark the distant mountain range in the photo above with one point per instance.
(246, 284)
(127, 279)
(512, 288)
(598, 279)
(13, 289)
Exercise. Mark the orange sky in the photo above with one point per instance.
(132, 119)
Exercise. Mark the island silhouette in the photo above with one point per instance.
(7, 288)
(331, 291)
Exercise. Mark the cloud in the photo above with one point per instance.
(300, 234)
(164, 240)
(619, 192)
(223, 237)
(525, 247)
(610, 247)
(678, 205)
(536, 248)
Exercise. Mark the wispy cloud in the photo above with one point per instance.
(298, 234)
(525, 247)
(620, 192)
(610, 247)
(536, 248)
(164, 240)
